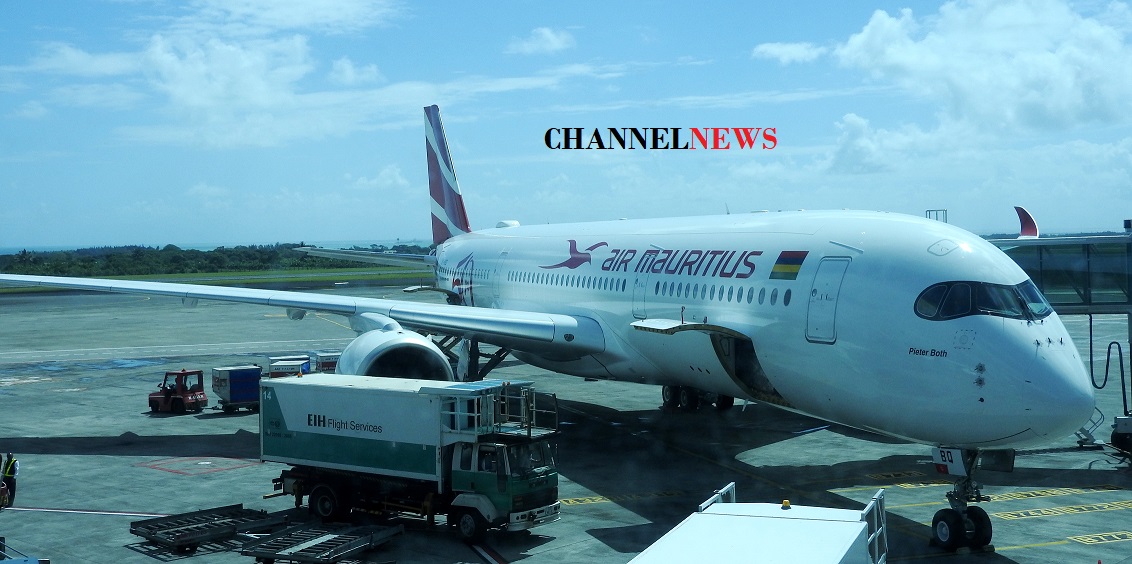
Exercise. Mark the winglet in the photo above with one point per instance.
(1029, 227)
(448, 215)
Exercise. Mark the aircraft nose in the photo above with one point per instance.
(1060, 395)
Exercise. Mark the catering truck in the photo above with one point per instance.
(478, 452)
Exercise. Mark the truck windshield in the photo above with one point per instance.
(526, 458)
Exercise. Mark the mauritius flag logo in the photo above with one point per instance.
(788, 265)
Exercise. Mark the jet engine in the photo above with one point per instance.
(395, 354)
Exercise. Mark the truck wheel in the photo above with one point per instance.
(469, 524)
(228, 408)
(323, 503)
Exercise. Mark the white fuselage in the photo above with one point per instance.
(827, 300)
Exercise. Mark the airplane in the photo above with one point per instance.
(900, 325)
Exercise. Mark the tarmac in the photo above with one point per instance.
(75, 371)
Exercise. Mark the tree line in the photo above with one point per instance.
(138, 260)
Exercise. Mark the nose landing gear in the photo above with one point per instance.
(961, 524)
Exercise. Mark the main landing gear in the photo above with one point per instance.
(961, 524)
(686, 398)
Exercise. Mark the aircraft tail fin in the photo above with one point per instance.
(448, 216)
(1028, 228)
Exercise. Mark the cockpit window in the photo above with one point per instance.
(958, 301)
(927, 305)
(1034, 300)
(950, 300)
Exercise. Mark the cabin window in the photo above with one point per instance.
(730, 292)
(774, 296)
(762, 296)
(786, 298)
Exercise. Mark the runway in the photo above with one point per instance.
(75, 370)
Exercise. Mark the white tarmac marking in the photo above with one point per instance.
(85, 512)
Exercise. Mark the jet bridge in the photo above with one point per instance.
(1078, 275)
(1090, 275)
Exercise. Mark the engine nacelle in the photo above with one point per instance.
(394, 354)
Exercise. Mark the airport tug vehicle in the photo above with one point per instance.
(478, 452)
(180, 391)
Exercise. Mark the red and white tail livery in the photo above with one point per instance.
(448, 216)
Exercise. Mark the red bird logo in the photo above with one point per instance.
(577, 258)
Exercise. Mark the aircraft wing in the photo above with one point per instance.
(543, 333)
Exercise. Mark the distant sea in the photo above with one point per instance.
(209, 247)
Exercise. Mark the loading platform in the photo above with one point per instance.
(320, 543)
(184, 532)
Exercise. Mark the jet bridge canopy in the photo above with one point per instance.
(1078, 275)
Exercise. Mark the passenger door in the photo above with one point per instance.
(821, 321)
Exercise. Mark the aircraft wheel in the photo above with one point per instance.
(723, 403)
(670, 397)
(979, 528)
(948, 531)
(689, 398)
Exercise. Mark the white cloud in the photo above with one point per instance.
(30, 110)
(242, 17)
(218, 75)
(208, 191)
(387, 178)
(346, 73)
(110, 96)
(1007, 65)
(786, 53)
(65, 59)
(542, 40)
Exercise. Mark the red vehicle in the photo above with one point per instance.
(181, 391)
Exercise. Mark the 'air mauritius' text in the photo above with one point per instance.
(692, 262)
(713, 138)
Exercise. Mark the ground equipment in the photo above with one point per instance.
(181, 391)
(478, 452)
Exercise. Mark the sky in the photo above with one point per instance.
(226, 122)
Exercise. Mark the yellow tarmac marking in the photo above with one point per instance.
(1027, 495)
(1064, 510)
(326, 317)
(895, 475)
(619, 498)
(1054, 492)
(1101, 538)
(1035, 545)
(904, 485)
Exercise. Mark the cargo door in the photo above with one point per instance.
(821, 321)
